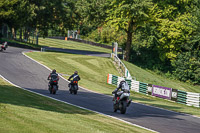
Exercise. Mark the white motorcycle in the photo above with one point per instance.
(121, 102)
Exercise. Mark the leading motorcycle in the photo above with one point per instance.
(121, 102)
(73, 87)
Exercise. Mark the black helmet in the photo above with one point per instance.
(76, 72)
(54, 71)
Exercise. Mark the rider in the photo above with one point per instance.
(53, 77)
(124, 87)
(75, 77)
(4, 45)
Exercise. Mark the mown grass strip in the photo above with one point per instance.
(71, 45)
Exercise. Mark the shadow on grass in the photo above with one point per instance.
(19, 97)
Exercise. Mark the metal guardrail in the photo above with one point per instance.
(120, 65)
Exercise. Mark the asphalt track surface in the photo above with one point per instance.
(74, 51)
(22, 71)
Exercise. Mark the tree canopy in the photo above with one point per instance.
(157, 34)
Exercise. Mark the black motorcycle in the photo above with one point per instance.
(53, 88)
(121, 102)
(73, 87)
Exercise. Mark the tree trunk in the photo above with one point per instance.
(13, 33)
(128, 45)
(129, 40)
(20, 36)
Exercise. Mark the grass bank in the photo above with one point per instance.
(25, 112)
(93, 72)
(71, 45)
(153, 78)
(62, 44)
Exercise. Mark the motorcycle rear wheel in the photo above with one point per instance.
(123, 109)
(75, 92)
(54, 89)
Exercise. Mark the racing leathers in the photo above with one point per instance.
(124, 87)
(75, 77)
(53, 77)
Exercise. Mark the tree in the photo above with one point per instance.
(92, 14)
(187, 63)
(128, 15)
(172, 21)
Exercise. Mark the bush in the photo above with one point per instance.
(187, 67)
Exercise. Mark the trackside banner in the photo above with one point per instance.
(163, 92)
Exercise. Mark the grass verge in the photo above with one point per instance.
(93, 72)
(25, 112)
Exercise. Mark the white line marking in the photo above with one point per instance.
(77, 105)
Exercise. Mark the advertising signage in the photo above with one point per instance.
(162, 92)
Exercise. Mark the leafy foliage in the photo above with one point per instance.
(128, 15)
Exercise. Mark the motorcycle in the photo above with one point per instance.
(53, 88)
(121, 102)
(73, 87)
(3, 48)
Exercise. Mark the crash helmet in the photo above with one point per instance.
(54, 71)
(76, 72)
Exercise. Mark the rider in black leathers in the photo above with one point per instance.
(53, 77)
(75, 77)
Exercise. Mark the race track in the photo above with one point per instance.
(30, 75)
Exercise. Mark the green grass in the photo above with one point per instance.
(93, 72)
(62, 44)
(25, 112)
(153, 78)
(71, 45)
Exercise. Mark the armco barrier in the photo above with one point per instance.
(193, 99)
(135, 85)
(114, 79)
(188, 98)
(128, 81)
(143, 88)
(181, 97)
